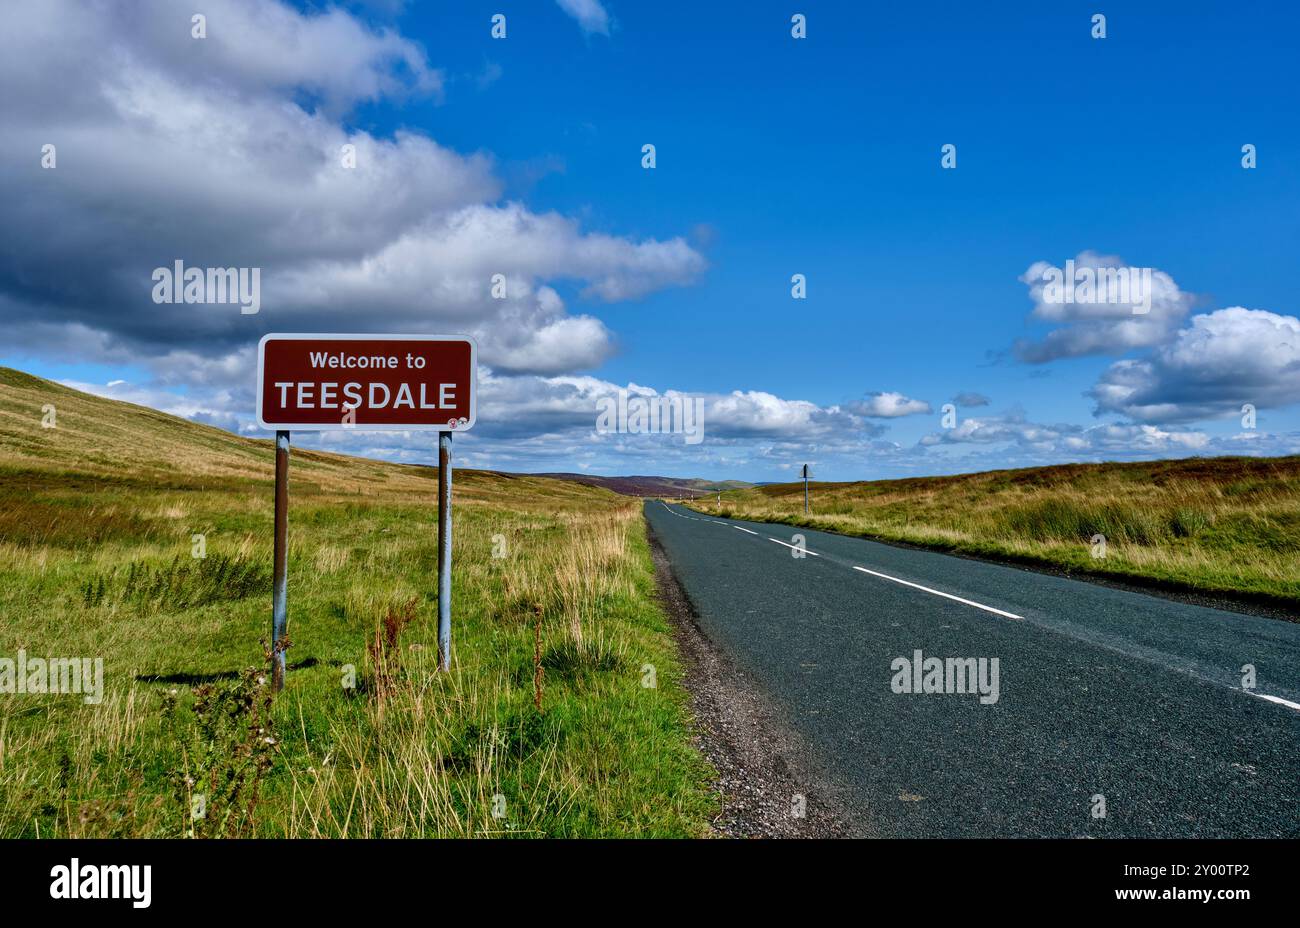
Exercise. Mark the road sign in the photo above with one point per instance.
(319, 382)
(367, 382)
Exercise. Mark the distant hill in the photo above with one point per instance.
(653, 486)
(98, 442)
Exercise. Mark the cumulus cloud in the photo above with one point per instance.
(262, 44)
(1063, 438)
(754, 412)
(885, 405)
(970, 400)
(252, 48)
(1222, 361)
(482, 267)
(229, 152)
(1086, 326)
(552, 404)
(554, 418)
(590, 14)
(534, 422)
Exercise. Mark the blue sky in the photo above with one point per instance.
(777, 156)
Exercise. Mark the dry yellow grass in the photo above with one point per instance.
(114, 493)
(1222, 525)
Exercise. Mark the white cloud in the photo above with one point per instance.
(1065, 439)
(534, 403)
(253, 48)
(562, 344)
(1086, 328)
(754, 412)
(1222, 361)
(887, 406)
(265, 45)
(449, 261)
(590, 14)
(211, 151)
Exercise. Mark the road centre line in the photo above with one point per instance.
(1010, 615)
(679, 515)
(795, 547)
(968, 602)
(1277, 699)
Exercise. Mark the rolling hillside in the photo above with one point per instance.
(124, 444)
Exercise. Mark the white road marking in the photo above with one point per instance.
(1010, 615)
(968, 602)
(1277, 699)
(795, 547)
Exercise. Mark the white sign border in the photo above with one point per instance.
(374, 336)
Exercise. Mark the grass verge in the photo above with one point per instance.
(1227, 527)
(553, 606)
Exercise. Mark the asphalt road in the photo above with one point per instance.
(1101, 692)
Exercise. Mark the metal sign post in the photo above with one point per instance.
(805, 489)
(280, 568)
(409, 383)
(444, 550)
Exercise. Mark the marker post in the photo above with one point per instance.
(280, 567)
(444, 550)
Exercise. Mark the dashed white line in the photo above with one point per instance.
(679, 515)
(1010, 615)
(874, 573)
(795, 547)
(968, 602)
(1277, 699)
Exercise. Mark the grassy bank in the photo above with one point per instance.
(553, 598)
(1227, 526)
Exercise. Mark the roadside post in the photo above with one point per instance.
(325, 382)
(280, 564)
(805, 489)
(444, 550)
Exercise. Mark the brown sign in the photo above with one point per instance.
(403, 382)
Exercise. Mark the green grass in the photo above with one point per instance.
(1225, 526)
(368, 739)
